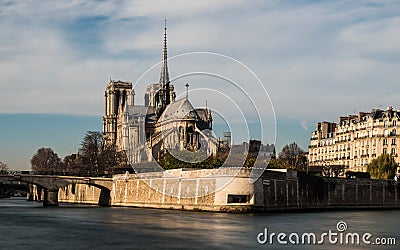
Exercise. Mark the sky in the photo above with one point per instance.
(299, 62)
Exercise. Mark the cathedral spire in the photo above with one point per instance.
(164, 78)
(166, 94)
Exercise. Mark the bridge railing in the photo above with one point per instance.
(79, 174)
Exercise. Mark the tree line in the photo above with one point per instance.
(93, 158)
(96, 158)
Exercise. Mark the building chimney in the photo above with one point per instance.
(360, 115)
(390, 111)
(343, 118)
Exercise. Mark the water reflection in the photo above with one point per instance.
(27, 225)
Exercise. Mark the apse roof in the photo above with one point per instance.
(179, 109)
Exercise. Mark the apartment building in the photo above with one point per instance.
(356, 139)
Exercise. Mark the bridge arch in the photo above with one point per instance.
(104, 198)
(6, 188)
(52, 184)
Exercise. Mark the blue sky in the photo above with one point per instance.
(317, 59)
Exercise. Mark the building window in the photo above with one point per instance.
(393, 141)
(385, 142)
(393, 152)
(385, 124)
(384, 151)
(394, 123)
(234, 198)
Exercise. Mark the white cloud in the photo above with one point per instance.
(378, 38)
(326, 58)
(317, 59)
(304, 125)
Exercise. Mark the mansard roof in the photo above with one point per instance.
(389, 113)
(375, 114)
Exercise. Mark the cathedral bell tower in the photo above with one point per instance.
(117, 96)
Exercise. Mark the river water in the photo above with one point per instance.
(27, 225)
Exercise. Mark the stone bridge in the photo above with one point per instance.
(6, 189)
(51, 184)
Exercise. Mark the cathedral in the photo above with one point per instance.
(145, 132)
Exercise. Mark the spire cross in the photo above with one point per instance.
(164, 77)
(187, 90)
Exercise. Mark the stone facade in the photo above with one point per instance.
(356, 139)
(143, 132)
(117, 96)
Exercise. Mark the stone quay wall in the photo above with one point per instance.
(294, 191)
(230, 191)
(173, 189)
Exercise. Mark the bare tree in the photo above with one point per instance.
(3, 167)
(111, 158)
(94, 157)
(292, 155)
(333, 170)
(91, 150)
(46, 161)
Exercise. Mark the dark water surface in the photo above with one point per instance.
(27, 225)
